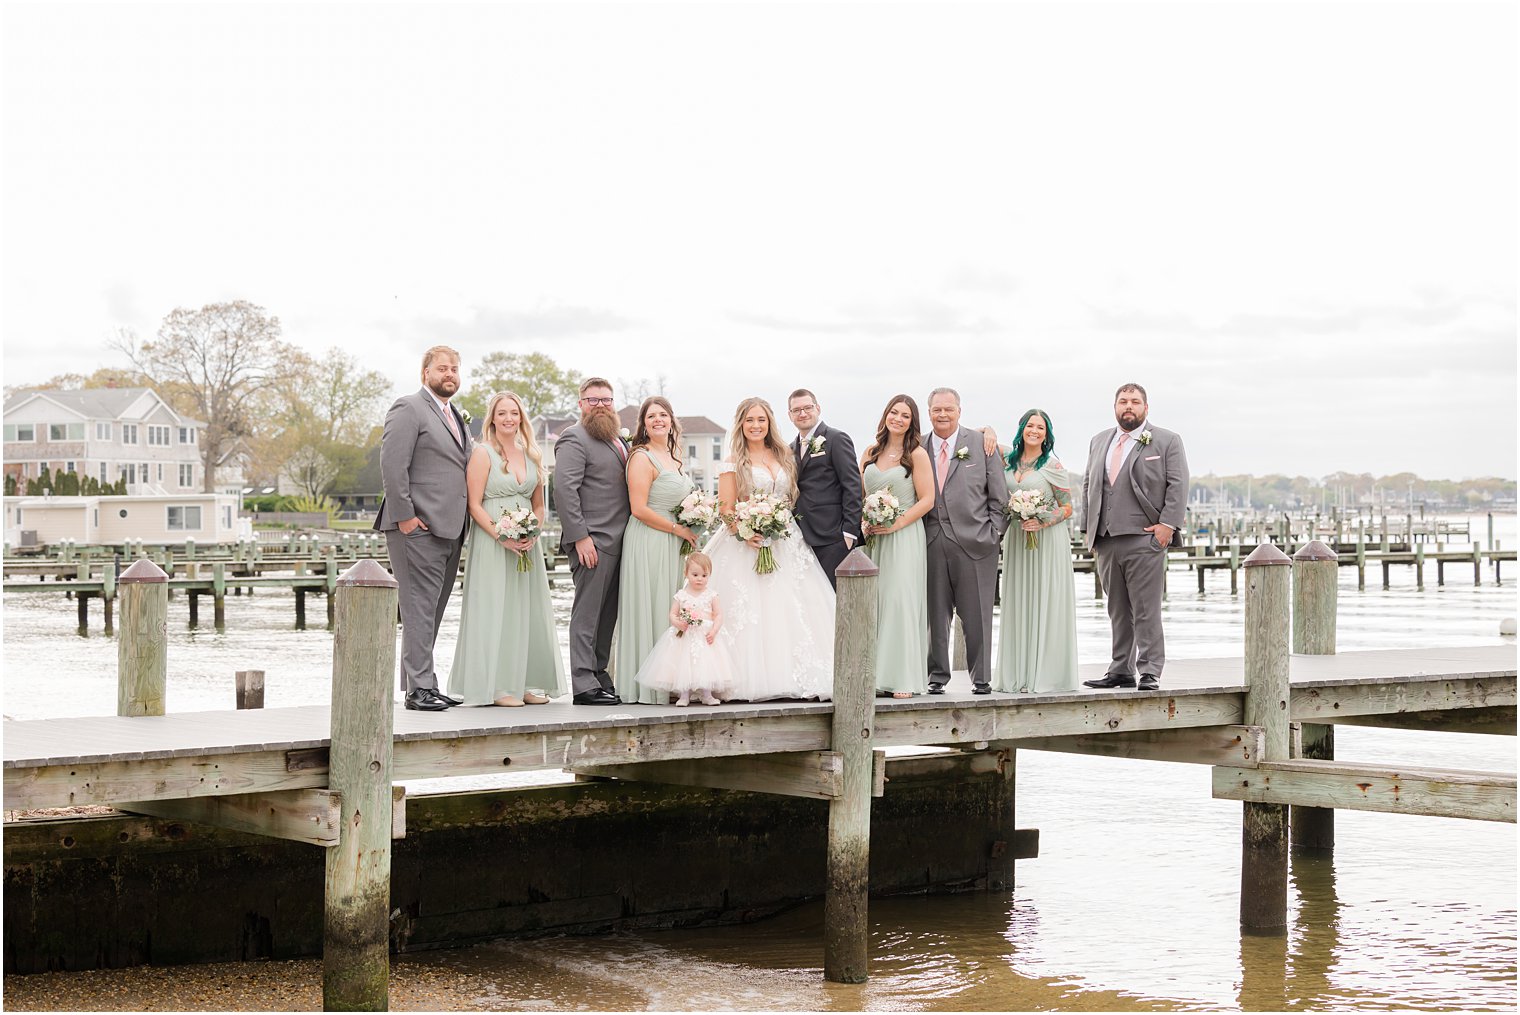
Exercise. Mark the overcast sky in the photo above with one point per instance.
(1295, 223)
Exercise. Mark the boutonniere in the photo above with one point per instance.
(625, 436)
(1144, 438)
(962, 454)
(464, 414)
(816, 445)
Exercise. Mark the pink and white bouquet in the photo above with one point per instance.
(698, 512)
(1027, 504)
(766, 516)
(688, 618)
(513, 525)
(880, 508)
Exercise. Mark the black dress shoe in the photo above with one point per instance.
(936, 688)
(597, 696)
(982, 689)
(1149, 682)
(1111, 680)
(438, 693)
(424, 700)
(883, 694)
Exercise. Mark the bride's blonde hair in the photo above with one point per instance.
(739, 446)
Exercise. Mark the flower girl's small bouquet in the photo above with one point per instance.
(698, 512)
(688, 618)
(880, 508)
(766, 516)
(1027, 504)
(519, 524)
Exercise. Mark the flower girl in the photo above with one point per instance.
(689, 658)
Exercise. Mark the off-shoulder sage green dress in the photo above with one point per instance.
(902, 605)
(507, 642)
(1037, 626)
(650, 576)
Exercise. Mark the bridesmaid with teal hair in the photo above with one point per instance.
(651, 566)
(507, 650)
(897, 462)
(1037, 629)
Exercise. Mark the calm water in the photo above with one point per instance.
(1131, 906)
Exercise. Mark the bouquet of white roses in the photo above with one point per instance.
(519, 524)
(1027, 504)
(766, 516)
(698, 512)
(880, 508)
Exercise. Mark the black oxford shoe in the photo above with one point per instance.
(597, 696)
(1111, 680)
(1149, 682)
(424, 700)
(936, 688)
(982, 689)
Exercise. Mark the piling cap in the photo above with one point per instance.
(857, 565)
(367, 572)
(143, 572)
(1266, 555)
(1314, 550)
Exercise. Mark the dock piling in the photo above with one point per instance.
(845, 927)
(249, 688)
(1264, 827)
(142, 655)
(1314, 608)
(356, 897)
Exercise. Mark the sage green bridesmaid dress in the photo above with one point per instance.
(507, 642)
(650, 575)
(1037, 625)
(902, 605)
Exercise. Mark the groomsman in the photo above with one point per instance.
(1134, 498)
(829, 491)
(962, 533)
(423, 454)
(591, 497)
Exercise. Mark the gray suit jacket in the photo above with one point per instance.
(1152, 486)
(969, 510)
(590, 491)
(422, 467)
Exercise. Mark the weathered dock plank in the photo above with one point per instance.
(1483, 796)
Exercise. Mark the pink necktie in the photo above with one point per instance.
(1117, 458)
(944, 464)
(448, 416)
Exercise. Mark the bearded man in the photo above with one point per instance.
(591, 498)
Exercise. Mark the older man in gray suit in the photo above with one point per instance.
(423, 454)
(1134, 500)
(591, 498)
(962, 534)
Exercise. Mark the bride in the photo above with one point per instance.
(781, 625)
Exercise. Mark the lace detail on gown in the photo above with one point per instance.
(780, 625)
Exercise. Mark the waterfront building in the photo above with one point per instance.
(154, 518)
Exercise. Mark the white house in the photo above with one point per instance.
(107, 433)
(153, 518)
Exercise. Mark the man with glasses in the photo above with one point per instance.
(829, 491)
(591, 498)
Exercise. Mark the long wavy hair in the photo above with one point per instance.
(1046, 449)
(739, 447)
(672, 440)
(911, 439)
(525, 438)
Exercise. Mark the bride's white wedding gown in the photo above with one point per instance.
(780, 625)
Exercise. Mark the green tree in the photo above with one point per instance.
(544, 386)
(10, 485)
(214, 363)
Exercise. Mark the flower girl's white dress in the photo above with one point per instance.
(781, 625)
(684, 663)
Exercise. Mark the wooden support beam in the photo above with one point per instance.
(952, 726)
(1416, 694)
(302, 815)
(1497, 720)
(818, 775)
(1198, 745)
(1482, 796)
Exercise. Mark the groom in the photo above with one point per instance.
(1133, 502)
(829, 491)
(591, 497)
(962, 533)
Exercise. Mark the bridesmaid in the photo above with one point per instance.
(507, 642)
(898, 462)
(651, 565)
(1037, 628)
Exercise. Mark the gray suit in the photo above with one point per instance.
(422, 469)
(962, 535)
(591, 498)
(1152, 487)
